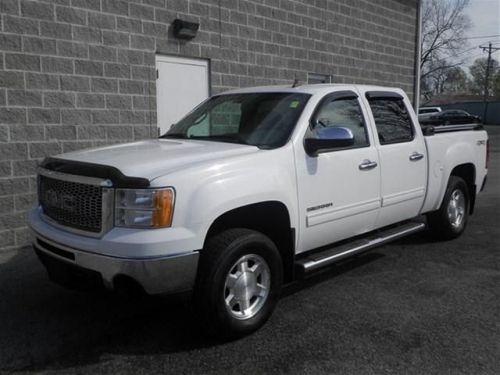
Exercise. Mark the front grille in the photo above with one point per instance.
(71, 204)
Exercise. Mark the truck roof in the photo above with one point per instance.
(312, 89)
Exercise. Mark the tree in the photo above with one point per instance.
(478, 73)
(453, 79)
(456, 81)
(496, 85)
(433, 82)
(444, 25)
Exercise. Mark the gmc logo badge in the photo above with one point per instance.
(63, 201)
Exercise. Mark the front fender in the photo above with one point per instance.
(240, 190)
(207, 191)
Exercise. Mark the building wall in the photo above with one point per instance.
(81, 73)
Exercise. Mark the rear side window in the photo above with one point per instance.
(392, 120)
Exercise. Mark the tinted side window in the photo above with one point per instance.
(345, 113)
(392, 120)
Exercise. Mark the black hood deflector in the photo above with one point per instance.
(79, 168)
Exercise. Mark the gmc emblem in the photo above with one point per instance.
(64, 201)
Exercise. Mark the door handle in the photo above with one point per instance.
(367, 164)
(416, 156)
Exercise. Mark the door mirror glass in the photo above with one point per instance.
(326, 139)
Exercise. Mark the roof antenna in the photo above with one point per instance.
(295, 81)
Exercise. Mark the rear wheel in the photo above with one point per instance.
(239, 281)
(450, 220)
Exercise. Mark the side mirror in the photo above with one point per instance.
(327, 139)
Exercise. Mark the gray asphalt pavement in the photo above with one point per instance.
(415, 306)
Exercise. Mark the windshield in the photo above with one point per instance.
(265, 120)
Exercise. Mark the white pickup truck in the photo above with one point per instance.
(252, 189)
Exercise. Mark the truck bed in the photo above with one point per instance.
(429, 130)
(451, 145)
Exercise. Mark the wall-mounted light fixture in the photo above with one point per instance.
(184, 29)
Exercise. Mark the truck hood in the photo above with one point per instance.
(153, 158)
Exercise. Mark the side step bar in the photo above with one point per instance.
(326, 257)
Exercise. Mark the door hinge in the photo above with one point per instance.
(157, 73)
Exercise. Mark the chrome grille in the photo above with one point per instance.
(72, 204)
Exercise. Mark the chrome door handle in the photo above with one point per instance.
(416, 156)
(367, 164)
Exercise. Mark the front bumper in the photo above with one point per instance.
(156, 275)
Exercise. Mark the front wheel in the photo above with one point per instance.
(239, 281)
(450, 220)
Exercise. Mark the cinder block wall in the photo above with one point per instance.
(81, 73)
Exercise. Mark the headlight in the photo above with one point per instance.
(144, 208)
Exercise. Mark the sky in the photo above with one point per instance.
(485, 18)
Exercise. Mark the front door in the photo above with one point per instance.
(339, 189)
(181, 85)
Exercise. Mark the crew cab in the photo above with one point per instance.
(252, 189)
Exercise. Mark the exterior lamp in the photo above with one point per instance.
(184, 29)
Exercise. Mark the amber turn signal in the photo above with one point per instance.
(163, 208)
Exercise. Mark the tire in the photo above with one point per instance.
(450, 220)
(239, 281)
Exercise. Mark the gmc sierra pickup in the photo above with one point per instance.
(252, 189)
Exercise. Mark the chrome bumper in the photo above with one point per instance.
(156, 275)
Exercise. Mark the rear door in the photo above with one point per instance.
(402, 154)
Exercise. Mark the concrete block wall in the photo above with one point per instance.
(81, 73)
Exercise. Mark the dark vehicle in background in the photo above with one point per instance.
(428, 110)
(425, 112)
(449, 117)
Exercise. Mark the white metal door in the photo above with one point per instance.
(403, 181)
(339, 190)
(402, 152)
(182, 84)
(337, 199)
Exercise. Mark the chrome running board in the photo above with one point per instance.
(331, 255)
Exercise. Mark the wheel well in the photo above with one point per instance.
(468, 173)
(270, 218)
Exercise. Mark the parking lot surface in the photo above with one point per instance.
(415, 306)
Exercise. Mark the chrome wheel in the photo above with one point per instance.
(456, 208)
(450, 220)
(247, 286)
